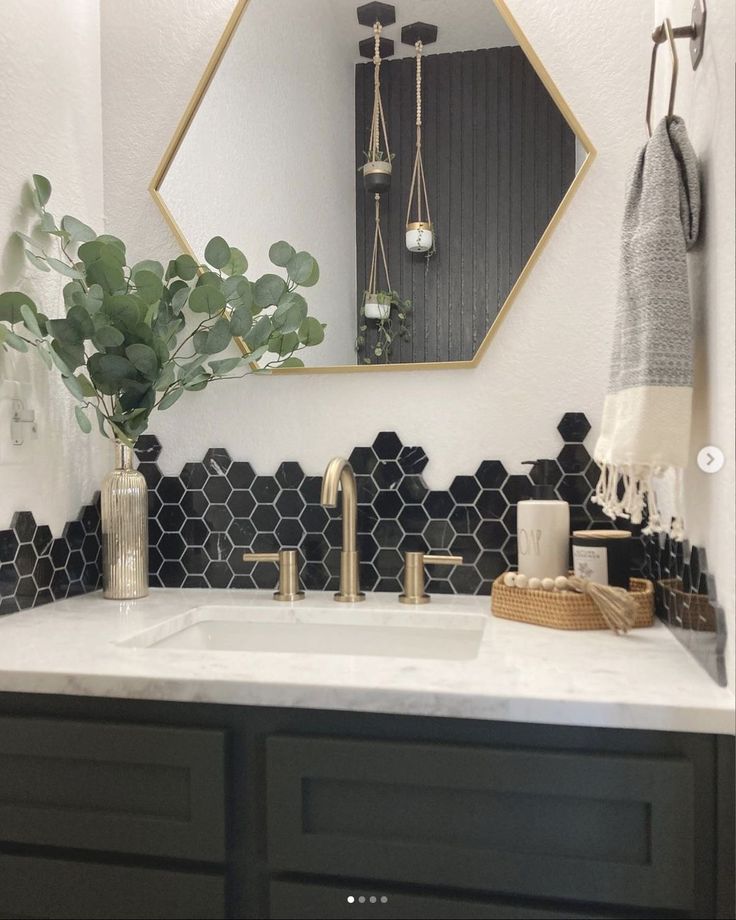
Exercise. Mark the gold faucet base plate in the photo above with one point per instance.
(349, 598)
(278, 596)
(414, 599)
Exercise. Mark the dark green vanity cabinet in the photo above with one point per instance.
(116, 808)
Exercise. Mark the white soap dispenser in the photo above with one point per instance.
(543, 526)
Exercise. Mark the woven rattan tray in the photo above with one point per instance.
(565, 609)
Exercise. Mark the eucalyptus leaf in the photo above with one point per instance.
(148, 265)
(185, 267)
(78, 232)
(25, 238)
(82, 420)
(87, 389)
(14, 341)
(226, 365)
(91, 300)
(292, 362)
(197, 383)
(166, 377)
(122, 436)
(170, 398)
(241, 319)
(42, 187)
(290, 313)
(268, 290)
(207, 299)
(179, 299)
(237, 264)
(149, 286)
(238, 292)
(72, 384)
(29, 318)
(59, 361)
(311, 332)
(10, 306)
(209, 278)
(65, 331)
(144, 359)
(70, 290)
(101, 422)
(108, 372)
(82, 320)
(109, 276)
(109, 240)
(218, 337)
(48, 225)
(217, 252)
(283, 344)
(281, 254)
(259, 334)
(107, 337)
(301, 268)
(72, 356)
(37, 261)
(63, 269)
(44, 354)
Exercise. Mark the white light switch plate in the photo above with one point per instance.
(11, 392)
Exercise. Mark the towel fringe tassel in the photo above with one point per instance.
(627, 491)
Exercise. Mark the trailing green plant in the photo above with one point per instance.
(387, 331)
(124, 347)
(380, 157)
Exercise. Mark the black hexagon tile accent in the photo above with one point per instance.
(574, 427)
(203, 520)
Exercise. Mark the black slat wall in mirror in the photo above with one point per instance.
(498, 157)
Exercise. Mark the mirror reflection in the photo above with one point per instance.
(434, 160)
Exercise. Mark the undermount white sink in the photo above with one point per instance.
(453, 636)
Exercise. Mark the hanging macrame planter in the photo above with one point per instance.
(377, 303)
(419, 229)
(377, 170)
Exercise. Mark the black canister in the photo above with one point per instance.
(603, 556)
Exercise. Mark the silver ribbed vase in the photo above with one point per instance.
(124, 513)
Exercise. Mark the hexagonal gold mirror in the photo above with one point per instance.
(418, 150)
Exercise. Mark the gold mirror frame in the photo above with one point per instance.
(191, 110)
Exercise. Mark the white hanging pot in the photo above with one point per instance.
(419, 236)
(377, 176)
(374, 309)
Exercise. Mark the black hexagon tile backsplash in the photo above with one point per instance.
(202, 520)
(36, 568)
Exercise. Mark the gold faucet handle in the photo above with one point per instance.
(288, 563)
(414, 563)
(443, 560)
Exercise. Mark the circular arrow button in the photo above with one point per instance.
(711, 459)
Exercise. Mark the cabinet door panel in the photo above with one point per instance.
(597, 827)
(149, 790)
(57, 888)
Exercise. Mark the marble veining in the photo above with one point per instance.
(645, 680)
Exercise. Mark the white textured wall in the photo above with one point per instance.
(50, 111)
(705, 99)
(275, 135)
(551, 353)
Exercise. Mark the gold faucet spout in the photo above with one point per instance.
(339, 477)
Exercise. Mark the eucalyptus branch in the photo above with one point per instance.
(129, 337)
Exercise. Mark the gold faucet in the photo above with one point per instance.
(339, 476)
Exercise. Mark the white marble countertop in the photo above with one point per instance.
(522, 673)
